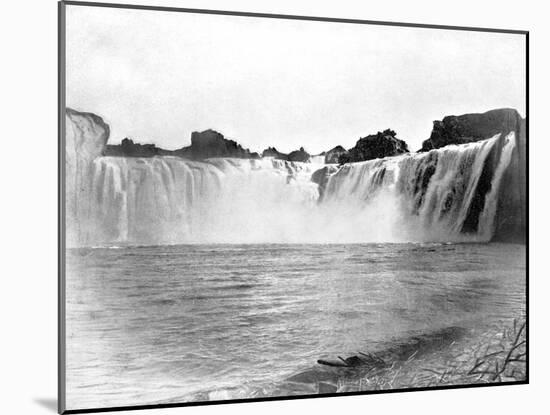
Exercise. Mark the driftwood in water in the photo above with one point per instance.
(367, 360)
(332, 363)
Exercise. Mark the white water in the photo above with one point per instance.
(168, 200)
(420, 197)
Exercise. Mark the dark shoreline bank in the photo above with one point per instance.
(451, 356)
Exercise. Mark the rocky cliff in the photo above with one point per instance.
(379, 145)
(86, 135)
(468, 128)
(476, 190)
(511, 219)
(510, 223)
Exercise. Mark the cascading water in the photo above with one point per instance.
(450, 194)
(170, 200)
(434, 196)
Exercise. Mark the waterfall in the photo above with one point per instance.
(449, 194)
(168, 200)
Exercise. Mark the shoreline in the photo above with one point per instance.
(452, 356)
(493, 355)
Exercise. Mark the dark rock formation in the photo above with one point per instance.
(127, 148)
(511, 220)
(299, 155)
(332, 156)
(210, 143)
(272, 152)
(207, 144)
(321, 177)
(468, 128)
(379, 145)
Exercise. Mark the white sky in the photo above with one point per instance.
(157, 76)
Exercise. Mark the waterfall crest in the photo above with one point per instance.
(449, 194)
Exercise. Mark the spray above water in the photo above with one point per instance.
(449, 194)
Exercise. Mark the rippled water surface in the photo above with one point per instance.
(178, 323)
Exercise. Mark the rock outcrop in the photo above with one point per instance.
(511, 220)
(127, 148)
(210, 144)
(321, 177)
(299, 155)
(468, 128)
(379, 145)
(332, 156)
(273, 152)
(206, 144)
(86, 135)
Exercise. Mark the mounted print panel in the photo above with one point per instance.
(271, 207)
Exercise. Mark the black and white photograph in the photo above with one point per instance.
(262, 207)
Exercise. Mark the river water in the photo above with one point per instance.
(157, 324)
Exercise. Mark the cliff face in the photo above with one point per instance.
(510, 224)
(85, 138)
(511, 221)
(379, 145)
(468, 128)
